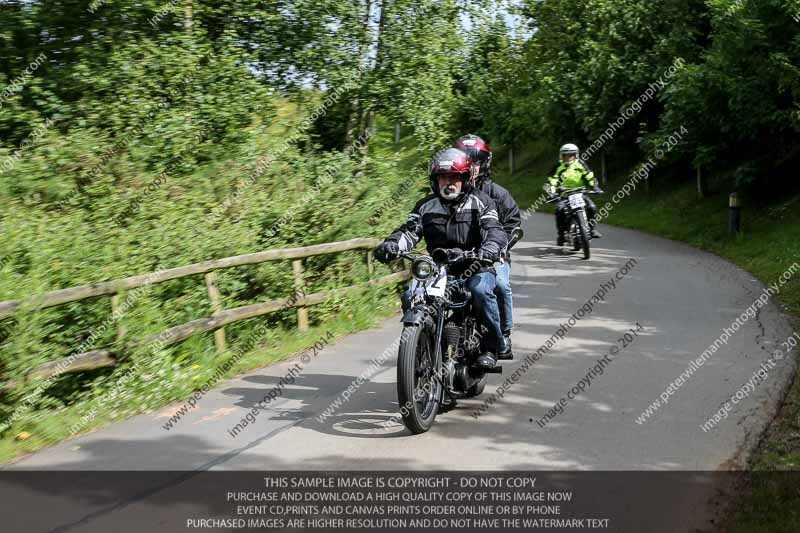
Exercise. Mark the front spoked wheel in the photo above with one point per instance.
(418, 388)
(575, 236)
(584, 235)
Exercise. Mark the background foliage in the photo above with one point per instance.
(201, 91)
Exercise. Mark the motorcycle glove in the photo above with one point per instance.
(454, 255)
(387, 251)
(489, 253)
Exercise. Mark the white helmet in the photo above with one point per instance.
(569, 149)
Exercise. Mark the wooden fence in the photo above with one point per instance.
(215, 322)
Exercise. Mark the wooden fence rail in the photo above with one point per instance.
(219, 318)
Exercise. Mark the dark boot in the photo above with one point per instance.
(506, 354)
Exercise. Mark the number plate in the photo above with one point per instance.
(433, 286)
(576, 201)
(436, 285)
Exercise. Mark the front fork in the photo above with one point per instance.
(582, 220)
(438, 359)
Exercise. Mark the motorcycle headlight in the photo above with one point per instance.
(422, 268)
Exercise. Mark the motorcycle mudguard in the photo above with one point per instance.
(414, 316)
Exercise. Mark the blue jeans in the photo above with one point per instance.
(484, 302)
(505, 301)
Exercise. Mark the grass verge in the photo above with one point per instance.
(274, 213)
(176, 382)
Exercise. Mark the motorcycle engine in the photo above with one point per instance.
(451, 335)
(461, 378)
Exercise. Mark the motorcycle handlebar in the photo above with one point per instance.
(558, 195)
(450, 256)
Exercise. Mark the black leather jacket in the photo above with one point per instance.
(507, 209)
(471, 224)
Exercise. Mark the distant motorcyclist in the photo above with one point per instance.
(456, 215)
(568, 173)
(508, 213)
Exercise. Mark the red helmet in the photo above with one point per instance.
(478, 151)
(453, 161)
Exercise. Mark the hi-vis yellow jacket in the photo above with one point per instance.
(569, 175)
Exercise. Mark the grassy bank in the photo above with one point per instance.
(48, 249)
(768, 245)
(169, 380)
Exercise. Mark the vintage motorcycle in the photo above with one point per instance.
(578, 233)
(441, 336)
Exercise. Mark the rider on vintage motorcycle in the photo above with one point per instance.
(508, 212)
(568, 173)
(457, 216)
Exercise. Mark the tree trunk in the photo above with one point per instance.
(187, 17)
(369, 121)
(369, 126)
(397, 133)
(188, 23)
(603, 174)
(356, 110)
(702, 186)
(511, 159)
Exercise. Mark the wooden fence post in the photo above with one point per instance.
(213, 323)
(216, 306)
(299, 286)
(370, 266)
(114, 309)
(734, 214)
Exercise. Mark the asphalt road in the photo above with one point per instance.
(681, 297)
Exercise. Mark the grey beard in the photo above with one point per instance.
(450, 194)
